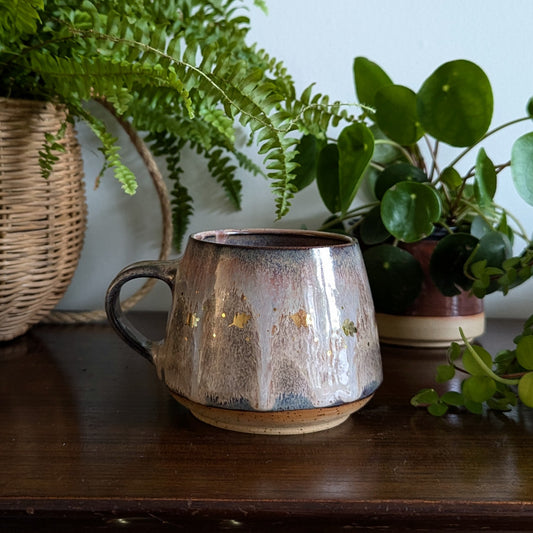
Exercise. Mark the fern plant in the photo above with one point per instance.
(180, 70)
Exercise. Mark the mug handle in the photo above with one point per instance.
(162, 270)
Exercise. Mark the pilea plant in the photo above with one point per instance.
(497, 382)
(179, 70)
(420, 190)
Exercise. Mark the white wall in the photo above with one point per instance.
(317, 40)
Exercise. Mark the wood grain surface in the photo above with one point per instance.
(90, 438)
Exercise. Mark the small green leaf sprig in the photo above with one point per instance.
(498, 383)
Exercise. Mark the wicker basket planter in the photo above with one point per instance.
(42, 222)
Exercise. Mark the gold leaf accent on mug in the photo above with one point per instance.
(301, 319)
(349, 328)
(240, 320)
(192, 320)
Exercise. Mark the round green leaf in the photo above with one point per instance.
(479, 388)
(385, 153)
(455, 103)
(446, 266)
(395, 277)
(453, 398)
(494, 247)
(451, 178)
(525, 389)
(396, 114)
(480, 227)
(369, 78)
(437, 409)
(308, 149)
(522, 166)
(395, 173)
(409, 210)
(327, 177)
(425, 397)
(372, 231)
(470, 363)
(524, 352)
(444, 373)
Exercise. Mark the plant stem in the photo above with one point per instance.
(405, 152)
(349, 214)
(521, 230)
(488, 134)
(490, 373)
(434, 151)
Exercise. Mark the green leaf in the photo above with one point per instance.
(356, 146)
(479, 227)
(369, 78)
(409, 210)
(478, 388)
(522, 166)
(424, 397)
(307, 158)
(20, 16)
(372, 231)
(524, 352)
(447, 262)
(395, 277)
(451, 178)
(453, 398)
(385, 153)
(396, 114)
(455, 103)
(444, 373)
(475, 408)
(485, 179)
(471, 365)
(525, 389)
(327, 177)
(455, 351)
(393, 174)
(437, 409)
(505, 228)
(494, 248)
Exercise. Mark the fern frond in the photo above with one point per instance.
(52, 143)
(19, 17)
(312, 113)
(111, 153)
(100, 76)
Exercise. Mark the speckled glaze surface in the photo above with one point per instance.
(263, 321)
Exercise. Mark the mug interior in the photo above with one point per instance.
(273, 238)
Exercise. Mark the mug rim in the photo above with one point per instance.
(342, 240)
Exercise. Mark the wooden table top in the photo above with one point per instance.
(89, 435)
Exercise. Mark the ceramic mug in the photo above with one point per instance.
(270, 331)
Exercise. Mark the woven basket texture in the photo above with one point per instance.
(42, 221)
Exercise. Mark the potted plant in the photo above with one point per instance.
(433, 236)
(182, 72)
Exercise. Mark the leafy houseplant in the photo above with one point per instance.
(179, 70)
(397, 147)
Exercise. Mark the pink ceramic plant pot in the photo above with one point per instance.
(433, 320)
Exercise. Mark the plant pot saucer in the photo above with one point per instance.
(428, 331)
(291, 422)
